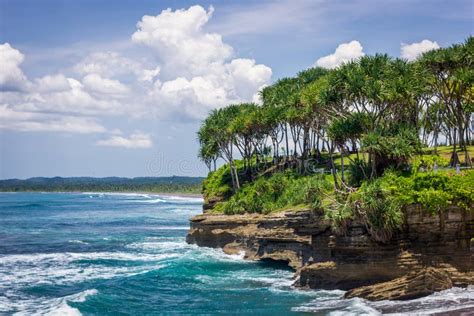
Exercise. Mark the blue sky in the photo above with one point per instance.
(118, 88)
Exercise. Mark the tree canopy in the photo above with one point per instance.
(382, 109)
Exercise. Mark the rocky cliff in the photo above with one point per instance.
(430, 252)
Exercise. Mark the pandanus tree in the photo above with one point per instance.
(319, 99)
(380, 88)
(208, 152)
(377, 105)
(317, 102)
(215, 133)
(249, 132)
(452, 71)
(304, 79)
(347, 129)
(273, 122)
(286, 95)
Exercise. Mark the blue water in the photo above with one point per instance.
(125, 254)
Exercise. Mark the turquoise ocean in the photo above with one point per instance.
(125, 254)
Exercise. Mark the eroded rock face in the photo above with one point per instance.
(414, 285)
(281, 236)
(353, 260)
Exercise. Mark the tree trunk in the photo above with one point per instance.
(333, 167)
(454, 155)
(235, 176)
(342, 163)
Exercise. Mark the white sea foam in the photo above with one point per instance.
(149, 197)
(152, 201)
(188, 199)
(67, 257)
(102, 194)
(332, 303)
(29, 305)
(220, 255)
(163, 246)
(447, 301)
(171, 227)
(75, 241)
(66, 268)
(203, 253)
(440, 302)
(172, 199)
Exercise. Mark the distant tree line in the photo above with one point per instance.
(109, 184)
(379, 109)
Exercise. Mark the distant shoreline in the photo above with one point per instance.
(171, 194)
(175, 185)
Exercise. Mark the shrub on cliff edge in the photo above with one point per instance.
(379, 203)
(279, 191)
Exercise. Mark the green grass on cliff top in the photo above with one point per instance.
(443, 153)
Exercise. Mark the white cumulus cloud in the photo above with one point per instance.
(197, 66)
(149, 74)
(53, 83)
(107, 64)
(180, 40)
(191, 98)
(74, 100)
(137, 140)
(181, 72)
(12, 77)
(344, 52)
(412, 51)
(96, 83)
(248, 77)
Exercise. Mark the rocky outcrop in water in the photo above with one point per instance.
(430, 252)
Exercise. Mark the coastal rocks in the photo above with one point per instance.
(414, 285)
(276, 237)
(430, 252)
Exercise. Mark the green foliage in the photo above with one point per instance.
(428, 162)
(218, 184)
(359, 170)
(279, 191)
(434, 200)
(379, 209)
(392, 148)
(383, 108)
(433, 190)
(340, 214)
(348, 128)
(379, 203)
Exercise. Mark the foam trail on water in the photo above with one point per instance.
(67, 268)
(41, 306)
(448, 301)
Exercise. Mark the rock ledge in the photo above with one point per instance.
(430, 253)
